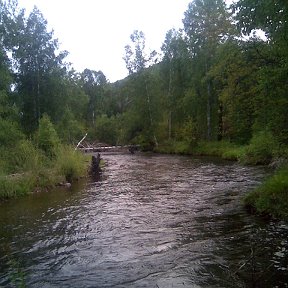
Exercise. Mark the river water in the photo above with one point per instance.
(148, 221)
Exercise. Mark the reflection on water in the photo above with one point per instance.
(151, 221)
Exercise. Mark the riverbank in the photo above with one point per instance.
(270, 198)
(223, 149)
(29, 170)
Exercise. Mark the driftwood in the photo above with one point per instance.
(81, 141)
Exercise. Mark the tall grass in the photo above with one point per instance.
(24, 157)
(70, 163)
(272, 196)
(26, 169)
(261, 149)
(224, 149)
(13, 186)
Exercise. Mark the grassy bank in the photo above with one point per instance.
(271, 198)
(223, 149)
(26, 169)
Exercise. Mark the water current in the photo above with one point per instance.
(148, 221)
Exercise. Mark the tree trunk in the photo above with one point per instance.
(209, 110)
(170, 125)
(169, 97)
(150, 113)
(220, 122)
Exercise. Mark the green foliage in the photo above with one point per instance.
(208, 86)
(175, 147)
(106, 129)
(10, 133)
(46, 137)
(188, 132)
(70, 163)
(261, 149)
(24, 157)
(272, 196)
(222, 149)
(69, 129)
(268, 15)
(15, 186)
(233, 152)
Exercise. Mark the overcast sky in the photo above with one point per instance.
(95, 32)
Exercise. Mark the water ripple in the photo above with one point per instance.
(151, 221)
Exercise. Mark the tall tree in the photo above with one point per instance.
(272, 18)
(207, 24)
(137, 59)
(93, 83)
(37, 66)
(175, 74)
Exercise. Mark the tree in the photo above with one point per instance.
(272, 18)
(207, 24)
(93, 83)
(37, 66)
(47, 137)
(175, 74)
(137, 60)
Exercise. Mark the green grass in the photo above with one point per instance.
(223, 149)
(70, 163)
(15, 186)
(271, 198)
(174, 147)
(25, 169)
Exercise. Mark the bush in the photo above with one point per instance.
(69, 129)
(234, 153)
(70, 163)
(175, 147)
(188, 132)
(224, 149)
(272, 196)
(25, 157)
(107, 129)
(261, 149)
(10, 133)
(47, 137)
(14, 186)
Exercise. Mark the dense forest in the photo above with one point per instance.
(215, 81)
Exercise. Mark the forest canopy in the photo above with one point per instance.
(210, 83)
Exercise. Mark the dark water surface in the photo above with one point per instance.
(151, 221)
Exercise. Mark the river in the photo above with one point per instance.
(148, 221)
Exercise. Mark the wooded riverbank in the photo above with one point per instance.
(216, 88)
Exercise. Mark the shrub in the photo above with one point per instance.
(47, 137)
(69, 129)
(25, 157)
(14, 186)
(272, 196)
(188, 132)
(234, 153)
(106, 129)
(70, 163)
(260, 150)
(10, 133)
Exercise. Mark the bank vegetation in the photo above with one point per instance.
(216, 88)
